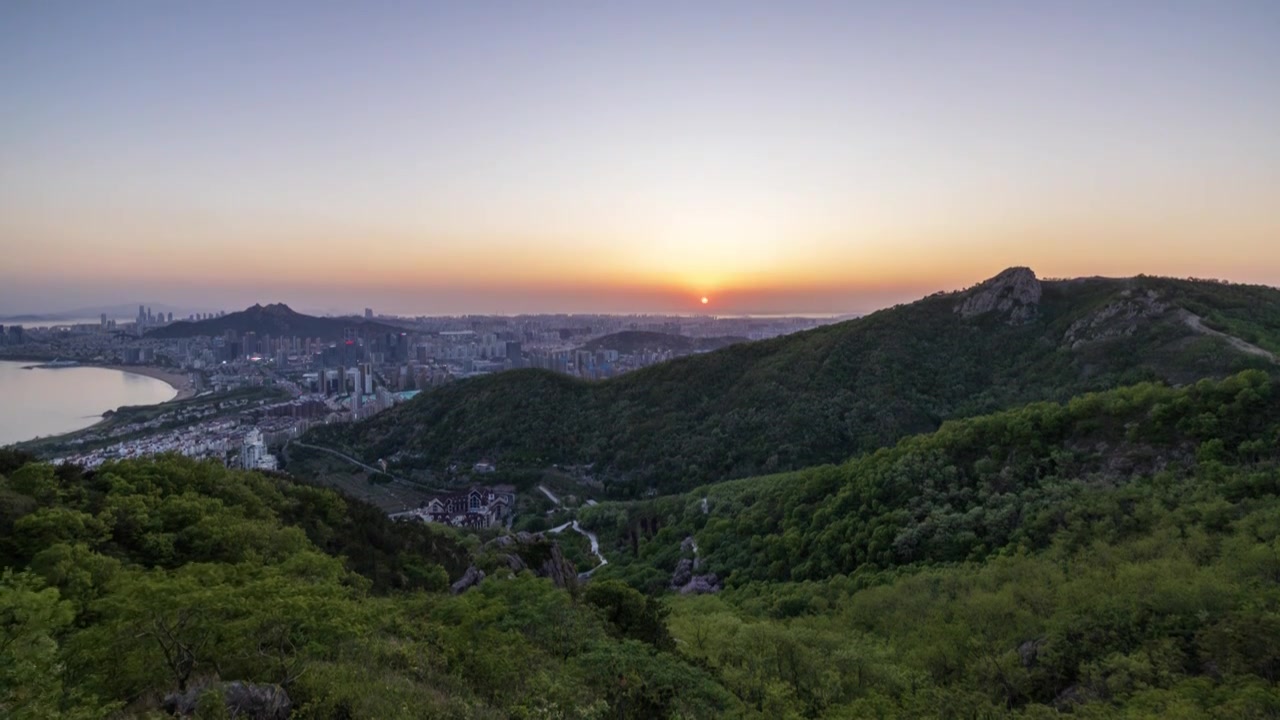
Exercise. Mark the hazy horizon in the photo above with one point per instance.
(568, 157)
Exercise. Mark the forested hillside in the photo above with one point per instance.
(1116, 556)
(975, 488)
(153, 586)
(824, 395)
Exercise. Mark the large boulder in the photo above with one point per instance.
(683, 574)
(702, 584)
(469, 579)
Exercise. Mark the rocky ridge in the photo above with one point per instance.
(1015, 292)
(1116, 319)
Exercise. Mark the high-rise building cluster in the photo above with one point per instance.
(13, 335)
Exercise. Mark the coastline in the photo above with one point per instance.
(177, 380)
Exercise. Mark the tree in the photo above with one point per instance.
(32, 683)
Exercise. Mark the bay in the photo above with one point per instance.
(52, 401)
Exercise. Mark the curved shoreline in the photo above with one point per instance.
(179, 381)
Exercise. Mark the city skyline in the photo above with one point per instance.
(572, 158)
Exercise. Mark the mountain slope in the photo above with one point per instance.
(161, 584)
(976, 487)
(278, 320)
(827, 394)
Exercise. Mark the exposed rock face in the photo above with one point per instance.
(243, 700)
(1014, 292)
(529, 551)
(701, 584)
(1028, 652)
(683, 574)
(1074, 695)
(556, 567)
(1118, 319)
(469, 579)
(683, 579)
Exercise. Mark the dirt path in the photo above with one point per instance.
(1194, 322)
(550, 495)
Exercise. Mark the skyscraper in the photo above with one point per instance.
(368, 313)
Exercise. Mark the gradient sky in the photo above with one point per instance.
(548, 156)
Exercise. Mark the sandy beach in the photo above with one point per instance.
(179, 380)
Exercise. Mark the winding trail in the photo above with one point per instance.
(595, 546)
(349, 459)
(354, 461)
(1195, 322)
(595, 541)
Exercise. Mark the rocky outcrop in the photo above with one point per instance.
(1029, 652)
(469, 579)
(683, 579)
(243, 700)
(535, 552)
(1014, 293)
(1074, 695)
(556, 567)
(701, 584)
(683, 573)
(1121, 318)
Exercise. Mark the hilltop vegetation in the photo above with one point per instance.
(1116, 556)
(975, 488)
(824, 395)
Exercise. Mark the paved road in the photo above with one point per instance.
(595, 545)
(595, 541)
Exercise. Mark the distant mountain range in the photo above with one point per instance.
(630, 342)
(277, 320)
(827, 394)
(114, 312)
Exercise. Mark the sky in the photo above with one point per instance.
(627, 157)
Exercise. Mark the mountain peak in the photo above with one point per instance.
(271, 309)
(1015, 292)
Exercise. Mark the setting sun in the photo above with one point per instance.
(704, 300)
